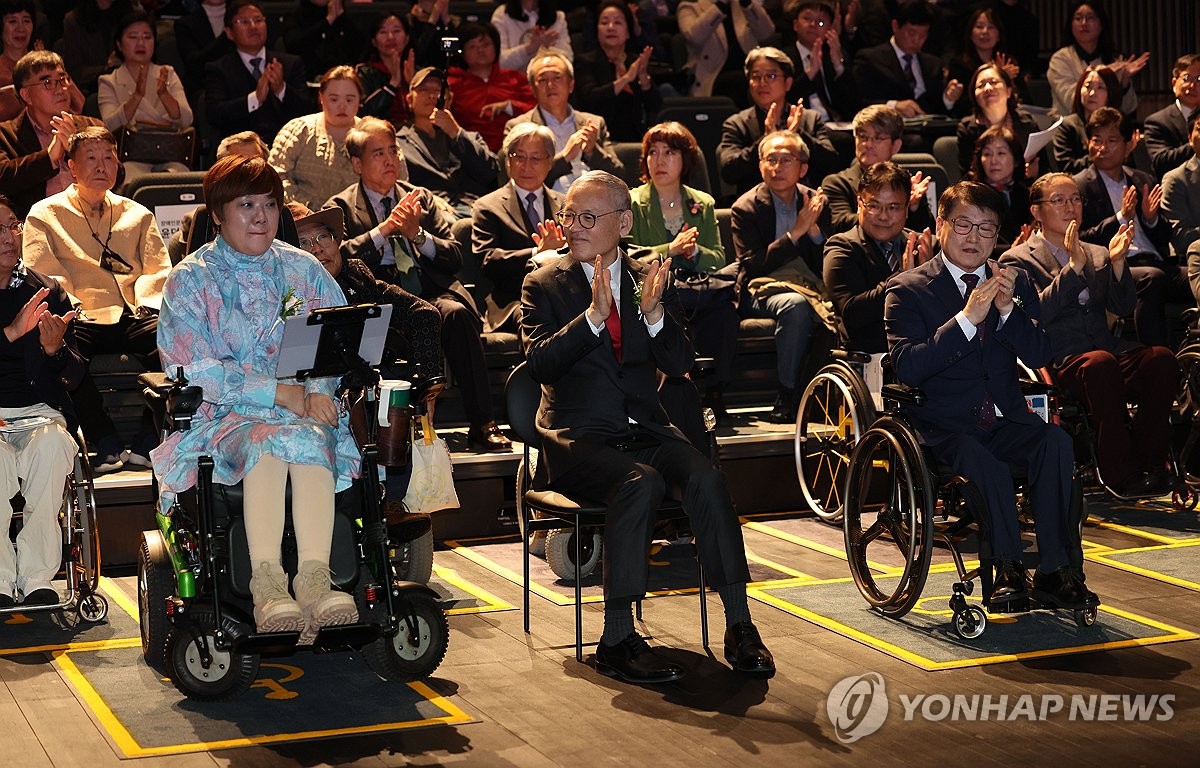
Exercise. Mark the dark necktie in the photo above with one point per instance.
(889, 253)
(256, 67)
(613, 324)
(987, 408)
(909, 74)
(531, 211)
(406, 279)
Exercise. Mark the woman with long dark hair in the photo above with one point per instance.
(994, 97)
(527, 25)
(1098, 87)
(1087, 41)
(614, 80)
(997, 162)
(388, 69)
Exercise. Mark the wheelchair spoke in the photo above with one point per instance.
(872, 533)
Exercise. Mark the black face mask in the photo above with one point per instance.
(113, 263)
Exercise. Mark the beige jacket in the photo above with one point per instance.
(58, 242)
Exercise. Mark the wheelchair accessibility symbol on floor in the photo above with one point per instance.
(275, 686)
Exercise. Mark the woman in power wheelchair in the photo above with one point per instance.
(247, 437)
(38, 364)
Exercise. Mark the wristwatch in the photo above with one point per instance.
(419, 239)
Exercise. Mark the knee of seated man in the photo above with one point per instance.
(645, 483)
(457, 318)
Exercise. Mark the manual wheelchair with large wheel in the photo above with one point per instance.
(895, 504)
(80, 567)
(194, 574)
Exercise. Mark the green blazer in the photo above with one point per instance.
(648, 228)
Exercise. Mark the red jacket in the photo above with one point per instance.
(472, 94)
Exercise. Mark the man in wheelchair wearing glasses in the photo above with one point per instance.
(956, 326)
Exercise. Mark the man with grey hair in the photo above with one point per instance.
(597, 330)
(781, 224)
(514, 228)
(581, 139)
(770, 74)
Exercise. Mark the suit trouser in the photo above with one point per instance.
(633, 486)
(41, 459)
(1148, 377)
(1045, 451)
(129, 336)
(1156, 285)
(463, 349)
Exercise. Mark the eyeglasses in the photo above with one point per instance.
(764, 77)
(963, 226)
(1058, 201)
(1185, 77)
(54, 83)
(308, 243)
(780, 161)
(875, 208)
(872, 139)
(520, 157)
(586, 220)
(994, 82)
(250, 21)
(1085, 18)
(15, 228)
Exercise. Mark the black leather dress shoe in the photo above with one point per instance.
(634, 661)
(784, 410)
(745, 652)
(1062, 589)
(488, 439)
(43, 596)
(6, 601)
(1009, 585)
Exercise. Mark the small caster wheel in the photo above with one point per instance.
(93, 608)
(970, 623)
(1184, 499)
(1085, 617)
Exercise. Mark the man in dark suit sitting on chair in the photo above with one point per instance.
(898, 73)
(604, 434)
(247, 90)
(1167, 129)
(403, 235)
(956, 326)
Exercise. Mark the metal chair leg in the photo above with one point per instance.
(578, 592)
(703, 602)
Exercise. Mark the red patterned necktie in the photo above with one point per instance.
(613, 323)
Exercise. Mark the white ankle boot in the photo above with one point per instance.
(274, 608)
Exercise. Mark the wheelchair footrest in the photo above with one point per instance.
(1023, 605)
(330, 638)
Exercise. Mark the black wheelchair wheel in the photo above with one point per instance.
(81, 497)
(537, 539)
(889, 509)
(156, 583)
(415, 652)
(413, 560)
(560, 553)
(1187, 397)
(835, 409)
(227, 674)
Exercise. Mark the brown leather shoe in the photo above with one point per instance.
(488, 439)
(404, 525)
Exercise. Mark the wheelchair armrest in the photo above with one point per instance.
(703, 366)
(156, 382)
(850, 356)
(904, 394)
(1036, 388)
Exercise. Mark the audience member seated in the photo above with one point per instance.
(719, 34)
(87, 41)
(679, 223)
(200, 38)
(859, 263)
(525, 27)
(402, 234)
(983, 43)
(769, 72)
(17, 38)
(142, 94)
(598, 352)
(877, 131)
(1087, 41)
(513, 228)
(581, 137)
(1115, 194)
(107, 253)
(310, 152)
(898, 73)
(429, 21)
(39, 362)
(1079, 284)
(323, 32)
(1181, 196)
(486, 96)
(388, 69)
(779, 228)
(245, 90)
(246, 144)
(453, 163)
(1166, 132)
(998, 163)
(32, 144)
(1097, 87)
(822, 79)
(974, 420)
(1192, 259)
(614, 80)
(994, 103)
(221, 315)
